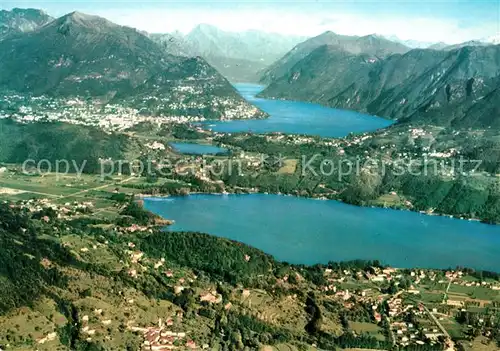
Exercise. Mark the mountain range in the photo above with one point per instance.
(416, 44)
(21, 21)
(250, 45)
(173, 44)
(439, 86)
(89, 56)
(238, 56)
(253, 56)
(371, 45)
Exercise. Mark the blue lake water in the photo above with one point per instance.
(293, 117)
(300, 230)
(197, 149)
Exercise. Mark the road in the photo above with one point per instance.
(96, 188)
(445, 297)
(65, 196)
(450, 343)
(21, 191)
(436, 321)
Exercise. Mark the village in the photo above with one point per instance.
(420, 306)
(175, 107)
(402, 306)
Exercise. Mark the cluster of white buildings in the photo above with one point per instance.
(176, 107)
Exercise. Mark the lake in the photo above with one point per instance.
(197, 149)
(308, 231)
(293, 117)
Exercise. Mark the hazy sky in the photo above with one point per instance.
(451, 21)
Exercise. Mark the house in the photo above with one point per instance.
(211, 297)
(433, 336)
(455, 303)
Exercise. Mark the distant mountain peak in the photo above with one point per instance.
(77, 15)
(84, 19)
(371, 45)
(470, 43)
(75, 22)
(205, 28)
(438, 46)
(254, 47)
(415, 44)
(21, 11)
(329, 34)
(80, 55)
(375, 36)
(21, 21)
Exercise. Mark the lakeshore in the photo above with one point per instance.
(303, 231)
(295, 117)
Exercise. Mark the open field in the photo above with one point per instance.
(431, 297)
(289, 167)
(452, 327)
(367, 328)
(389, 200)
(50, 184)
(54, 180)
(65, 189)
(275, 311)
(474, 292)
(361, 327)
(354, 285)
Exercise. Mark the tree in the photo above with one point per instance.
(236, 340)
(312, 308)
